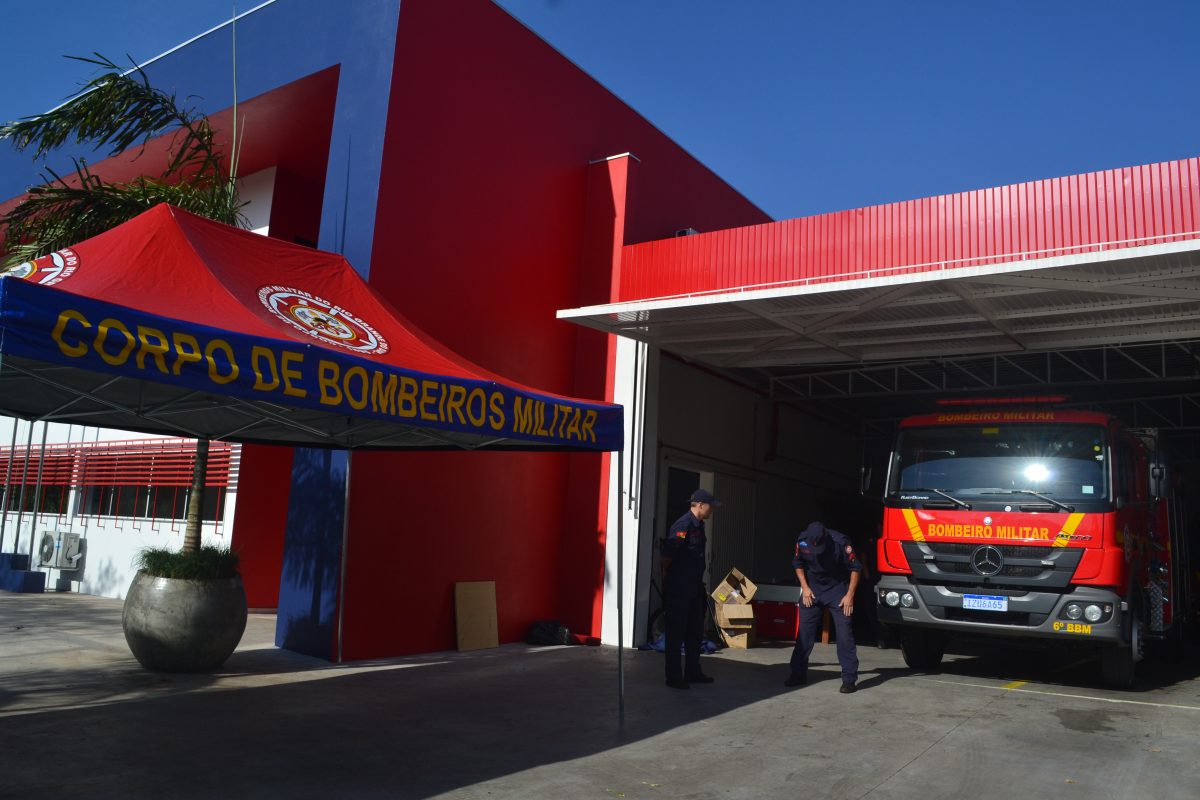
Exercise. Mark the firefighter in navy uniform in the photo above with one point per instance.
(685, 596)
(829, 572)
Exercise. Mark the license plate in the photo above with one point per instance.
(985, 602)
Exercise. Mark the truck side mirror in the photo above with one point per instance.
(1158, 480)
(864, 480)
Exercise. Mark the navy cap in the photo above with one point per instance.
(704, 496)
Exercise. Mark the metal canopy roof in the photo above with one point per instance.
(1135, 294)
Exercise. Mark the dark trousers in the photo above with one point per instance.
(685, 606)
(810, 624)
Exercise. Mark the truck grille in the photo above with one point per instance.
(1024, 566)
(1009, 550)
(1008, 570)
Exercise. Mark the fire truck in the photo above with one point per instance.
(1032, 522)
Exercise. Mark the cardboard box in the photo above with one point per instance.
(739, 638)
(736, 588)
(475, 615)
(734, 615)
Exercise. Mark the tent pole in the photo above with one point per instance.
(21, 499)
(620, 586)
(37, 491)
(341, 608)
(12, 452)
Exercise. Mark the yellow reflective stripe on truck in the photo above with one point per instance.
(914, 527)
(1064, 536)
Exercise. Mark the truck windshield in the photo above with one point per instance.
(1063, 462)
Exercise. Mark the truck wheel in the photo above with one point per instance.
(1116, 664)
(922, 649)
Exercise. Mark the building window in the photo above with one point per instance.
(134, 479)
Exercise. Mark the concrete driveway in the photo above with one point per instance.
(80, 719)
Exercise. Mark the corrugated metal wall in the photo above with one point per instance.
(1133, 206)
(733, 528)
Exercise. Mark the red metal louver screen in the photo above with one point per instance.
(1113, 209)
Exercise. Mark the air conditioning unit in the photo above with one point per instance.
(61, 551)
(70, 551)
(48, 550)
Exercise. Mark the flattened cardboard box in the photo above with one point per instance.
(475, 615)
(736, 588)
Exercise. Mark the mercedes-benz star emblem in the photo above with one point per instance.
(987, 560)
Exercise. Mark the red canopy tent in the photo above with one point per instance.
(172, 323)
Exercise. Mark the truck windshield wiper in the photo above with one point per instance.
(949, 497)
(1047, 498)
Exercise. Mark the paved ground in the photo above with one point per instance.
(80, 719)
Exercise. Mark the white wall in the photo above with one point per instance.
(112, 543)
(636, 376)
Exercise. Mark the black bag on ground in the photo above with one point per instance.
(546, 631)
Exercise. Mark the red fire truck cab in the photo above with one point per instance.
(1031, 523)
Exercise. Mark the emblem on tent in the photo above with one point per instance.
(321, 319)
(47, 270)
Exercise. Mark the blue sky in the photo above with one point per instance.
(805, 107)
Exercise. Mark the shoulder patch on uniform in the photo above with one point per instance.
(681, 535)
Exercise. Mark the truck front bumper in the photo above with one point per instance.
(1034, 613)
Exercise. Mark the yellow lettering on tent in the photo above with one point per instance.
(156, 350)
(406, 399)
(259, 355)
(522, 415)
(355, 375)
(102, 331)
(496, 411)
(328, 373)
(77, 349)
(383, 395)
(287, 359)
(213, 373)
(454, 404)
(187, 351)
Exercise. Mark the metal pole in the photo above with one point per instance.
(620, 586)
(37, 491)
(12, 451)
(341, 622)
(21, 497)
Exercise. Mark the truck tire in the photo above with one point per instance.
(922, 649)
(1117, 666)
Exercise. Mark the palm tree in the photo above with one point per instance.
(114, 112)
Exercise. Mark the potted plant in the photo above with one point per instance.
(185, 611)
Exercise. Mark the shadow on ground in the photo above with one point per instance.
(409, 728)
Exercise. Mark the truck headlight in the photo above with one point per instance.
(907, 600)
(892, 599)
(1093, 613)
(1073, 611)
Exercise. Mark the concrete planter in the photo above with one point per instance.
(175, 625)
